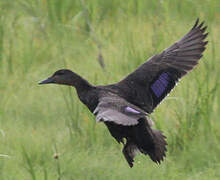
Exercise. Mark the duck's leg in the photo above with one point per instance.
(130, 150)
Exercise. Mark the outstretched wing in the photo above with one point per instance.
(117, 110)
(154, 79)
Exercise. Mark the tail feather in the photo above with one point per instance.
(147, 141)
(159, 152)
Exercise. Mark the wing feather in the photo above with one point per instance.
(117, 110)
(178, 60)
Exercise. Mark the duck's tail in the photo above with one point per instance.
(159, 151)
(147, 141)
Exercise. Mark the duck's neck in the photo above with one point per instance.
(80, 83)
(85, 91)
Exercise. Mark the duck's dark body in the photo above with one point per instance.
(138, 137)
(124, 106)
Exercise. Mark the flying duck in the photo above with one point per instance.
(124, 107)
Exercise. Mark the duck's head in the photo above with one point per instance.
(62, 76)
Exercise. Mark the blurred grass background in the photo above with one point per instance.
(46, 133)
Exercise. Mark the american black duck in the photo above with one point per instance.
(124, 106)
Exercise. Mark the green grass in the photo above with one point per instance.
(46, 133)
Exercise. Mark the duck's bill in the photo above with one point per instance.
(47, 81)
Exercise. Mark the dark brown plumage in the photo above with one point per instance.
(124, 106)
